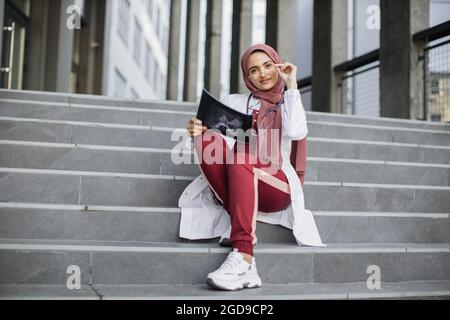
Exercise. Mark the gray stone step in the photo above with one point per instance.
(43, 262)
(34, 221)
(45, 292)
(93, 188)
(401, 123)
(320, 129)
(116, 115)
(436, 290)
(178, 119)
(29, 95)
(144, 137)
(373, 150)
(192, 107)
(96, 158)
(77, 99)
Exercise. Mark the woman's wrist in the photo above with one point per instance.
(292, 85)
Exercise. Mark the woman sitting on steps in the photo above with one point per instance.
(230, 196)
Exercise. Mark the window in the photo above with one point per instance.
(153, 67)
(120, 84)
(157, 83)
(147, 62)
(436, 117)
(162, 85)
(137, 42)
(155, 15)
(122, 25)
(435, 86)
(165, 40)
(157, 22)
(134, 94)
(155, 78)
(160, 26)
(164, 36)
(150, 8)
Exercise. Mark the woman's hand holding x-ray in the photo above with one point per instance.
(195, 127)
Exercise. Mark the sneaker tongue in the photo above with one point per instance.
(233, 259)
(239, 257)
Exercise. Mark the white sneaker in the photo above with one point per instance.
(234, 274)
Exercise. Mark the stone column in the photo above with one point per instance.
(37, 72)
(192, 39)
(174, 50)
(401, 73)
(213, 46)
(91, 48)
(329, 50)
(65, 50)
(286, 29)
(2, 14)
(241, 40)
(280, 27)
(272, 23)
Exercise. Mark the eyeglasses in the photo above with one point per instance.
(256, 72)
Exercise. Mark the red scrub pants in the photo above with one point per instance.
(242, 187)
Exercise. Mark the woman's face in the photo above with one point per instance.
(262, 72)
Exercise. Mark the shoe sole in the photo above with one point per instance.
(229, 287)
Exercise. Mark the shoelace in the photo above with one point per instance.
(232, 261)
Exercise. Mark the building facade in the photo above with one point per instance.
(104, 47)
(135, 64)
(171, 49)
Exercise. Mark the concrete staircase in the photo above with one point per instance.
(89, 181)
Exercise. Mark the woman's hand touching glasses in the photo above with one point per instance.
(195, 127)
(288, 72)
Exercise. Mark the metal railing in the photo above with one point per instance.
(437, 82)
(359, 78)
(360, 87)
(6, 78)
(436, 71)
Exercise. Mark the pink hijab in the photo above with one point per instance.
(269, 99)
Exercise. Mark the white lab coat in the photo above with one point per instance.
(203, 218)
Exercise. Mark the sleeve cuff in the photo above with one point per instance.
(292, 92)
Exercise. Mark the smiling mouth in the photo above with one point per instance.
(265, 81)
